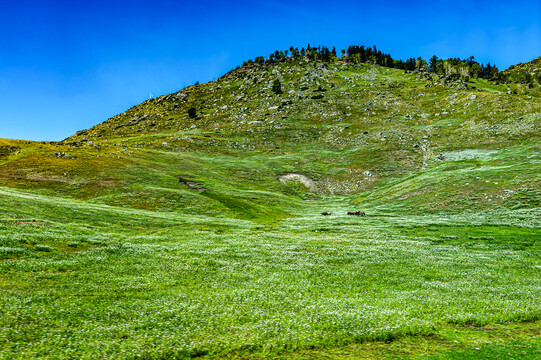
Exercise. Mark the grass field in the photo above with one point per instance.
(83, 280)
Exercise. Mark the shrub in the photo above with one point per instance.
(192, 112)
(277, 87)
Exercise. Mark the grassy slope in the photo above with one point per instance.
(371, 120)
(529, 73)
(107, 254)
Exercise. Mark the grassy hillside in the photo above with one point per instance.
(528, 73)
(405, 137)
(159, 235)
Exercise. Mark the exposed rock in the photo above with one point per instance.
(181, 95)
(306, 181)
(64, 155)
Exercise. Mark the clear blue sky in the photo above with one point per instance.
(68, 65)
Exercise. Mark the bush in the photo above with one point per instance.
(277, 87)
(192, 112)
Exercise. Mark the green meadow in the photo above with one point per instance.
(95, 281)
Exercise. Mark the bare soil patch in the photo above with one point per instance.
(306, 181)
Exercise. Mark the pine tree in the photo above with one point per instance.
(433, 63)
(292, 51)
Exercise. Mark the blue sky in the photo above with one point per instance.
(68, 65)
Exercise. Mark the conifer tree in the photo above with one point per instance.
(433, 63)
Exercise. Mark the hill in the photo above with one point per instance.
(192, 226)
(415, 139)
(528, 73)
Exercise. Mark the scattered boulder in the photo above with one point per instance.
(181, 95)
(63, 155)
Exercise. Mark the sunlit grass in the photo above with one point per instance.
(171, 285)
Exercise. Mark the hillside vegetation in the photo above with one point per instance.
(191, 225)
(348, 127)
(528, 73)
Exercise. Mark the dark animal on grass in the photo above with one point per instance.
(357, 213)
(325, 213)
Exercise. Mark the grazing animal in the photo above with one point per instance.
(357, 213)
(325, 213)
